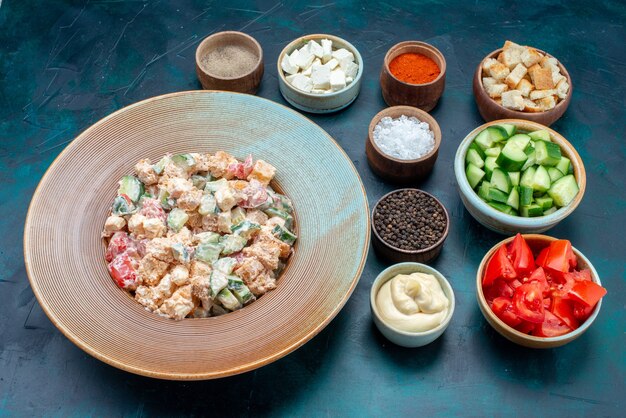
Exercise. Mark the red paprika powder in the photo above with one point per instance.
(414, 68)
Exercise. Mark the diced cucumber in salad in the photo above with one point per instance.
(518, 173)
(206, 227)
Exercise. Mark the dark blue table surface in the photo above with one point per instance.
(65, 65)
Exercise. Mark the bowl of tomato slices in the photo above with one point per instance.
(538, 291)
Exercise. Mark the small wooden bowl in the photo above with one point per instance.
(398, 255)
(424, 96)
(490, 110)
(245, 83)
(395, 169)
(536, 242)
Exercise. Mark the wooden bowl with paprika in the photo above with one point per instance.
(413, 74)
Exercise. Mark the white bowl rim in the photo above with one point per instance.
(519, 222)
(384, 277)
(315, 36)
(570, 335)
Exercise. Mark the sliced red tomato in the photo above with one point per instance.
(499, 288)
(151, 208)
(526, 327)
(538, 276)
(503, 308)
(547, 302)
(581, 311)
(580, 275)
(499, 267)
(551, 326)
(528, 302)
(521, 255)
(120, 243)
(122, 269)
(541, 258)
(515, 284)
(559, 256)
(564, 310)
(587, 292)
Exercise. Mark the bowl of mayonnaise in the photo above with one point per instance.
(412, 304)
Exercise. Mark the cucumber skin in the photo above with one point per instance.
(564, 190)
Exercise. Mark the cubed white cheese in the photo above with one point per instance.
(305, 58)
(307, 72)
(319, 91)
(316, 49)
(343, 53)
(320, 76)
(332, 64)
(349, 80)
(293, 58)
(327, 50)
(349, 67)
(302, 82)
(286, 65)
(290, 78)
(337, 80)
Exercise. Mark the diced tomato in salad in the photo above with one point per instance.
(122, 269)
(544, 295)
(120, 243)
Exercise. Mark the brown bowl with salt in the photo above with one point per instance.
(231, 61)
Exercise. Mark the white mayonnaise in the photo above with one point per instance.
(413, 303)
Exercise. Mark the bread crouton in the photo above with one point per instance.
(496, 90)
(542, 78)
(549, 62)
(511, 45)
(511, 57)
(530, 56)
(525, 87)
(557, 77)
(534, 68)
(540, 94)
(487, 63)
(547, 103)
(513, 99)
(531, 107)
(516, 76)
(562, 89)
(489, 81)
(499, 71)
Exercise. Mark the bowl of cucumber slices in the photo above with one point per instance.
(518, 176)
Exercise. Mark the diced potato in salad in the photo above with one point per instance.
(198, 235)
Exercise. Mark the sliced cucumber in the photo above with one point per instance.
(549, 211)
(514, 176)
(217, 282)
(473, 157)
(483, 190)
(540, 135)
(484, 140)
(225, 265)
(564, 165)
(509, 128)
(521, 140)
(564, 190)
(177, 219)
(527, 177)
(284, 234)
(526, 195)
(232, 243)
(160, 166)
(131, 187)
(490, 164)
(208, 236)
(502, 208)
(198, 181)
(180, 253)
(497, 133)
(245, 228)
(208, 204)
(208, 252)
(513, 200)
(474, 175)
(547, 153)
(532, 160)
(281, 214)
(545, 202)
(555, 174)
(531, 211)
(184, 161)
(228, 300)
(213, 186)
(478, 149)
(121, 206)
(237, 215)
(512, 158)
(493, 151)
(500, 180)
(243, 295)
(498, 195)
(541, 180)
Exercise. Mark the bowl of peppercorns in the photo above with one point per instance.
(409, 225)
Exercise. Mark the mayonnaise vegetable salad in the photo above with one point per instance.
(198, 235)
(412, 302)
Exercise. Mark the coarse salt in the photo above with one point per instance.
(405, 138)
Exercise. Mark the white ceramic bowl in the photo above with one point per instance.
(403, 338)
(510, 224)
(320, 103)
